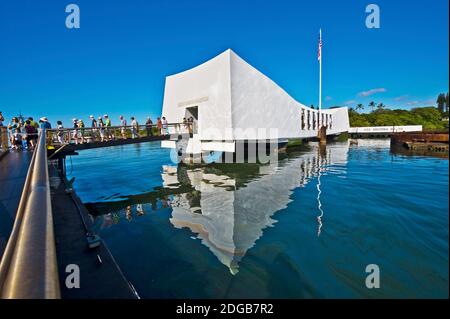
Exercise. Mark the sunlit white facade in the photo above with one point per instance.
(229, 101)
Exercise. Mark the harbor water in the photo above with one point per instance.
(306, 227)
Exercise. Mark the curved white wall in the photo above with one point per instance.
(235, 100)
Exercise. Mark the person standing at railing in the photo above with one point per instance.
(81, 127)
(93, 127)
(149, 126)
(190, 124)
(123, 124)
(16, 139)
(12, 126)
(108, 133)
(134, 128)
(165, 126)
(45, 124)
(31, 134)
(101, 128)
(33, 122)
(60, 132)
(75, 130)
(159, 125)
(2, 119)
(185, 125)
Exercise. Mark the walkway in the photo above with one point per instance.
(100, 276)
(13, 171)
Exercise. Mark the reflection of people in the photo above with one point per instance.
(115, 218)
(139, 210)
(154, 207)
(128, 213)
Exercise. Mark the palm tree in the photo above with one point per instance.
(372, 105)
(441, 102)
(381, 106)
(446, 103)
(359, 107)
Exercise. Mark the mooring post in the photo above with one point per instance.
(323, 135)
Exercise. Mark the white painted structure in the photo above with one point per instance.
(232, 101)
(385, 129)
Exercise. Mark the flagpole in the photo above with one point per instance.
(320, 78)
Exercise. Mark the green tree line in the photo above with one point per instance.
(431, 118)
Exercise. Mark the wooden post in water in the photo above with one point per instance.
(323, 135)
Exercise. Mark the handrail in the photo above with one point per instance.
(115, 127)
(4, 138)
(105, 133)
(28, 269)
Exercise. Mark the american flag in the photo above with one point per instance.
(319, 55)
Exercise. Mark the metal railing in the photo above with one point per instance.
(103, 134)
(28, 269)
(4, 137)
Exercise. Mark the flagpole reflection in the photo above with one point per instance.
(321, 150)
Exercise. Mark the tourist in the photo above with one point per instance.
(93, 121)
(159, 125)
(134, 128)
(33, 122)
(93, 127)
(60, 132)
(12, 126)
(149, 126)
(123, 124)
(108, 133)
(185, 125)
(75, 130)
(21, 124)
(164, 126)
(17, 139)
(81, 127)
(1, 124)
(101, 127)
(45, 124)
(190, 125)
(31, 134)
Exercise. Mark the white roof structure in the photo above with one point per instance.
(234, 100)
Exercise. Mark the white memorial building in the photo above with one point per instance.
(230, 102)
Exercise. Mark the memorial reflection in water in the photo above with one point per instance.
(228, 206)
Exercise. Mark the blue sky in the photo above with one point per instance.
(117, 61)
